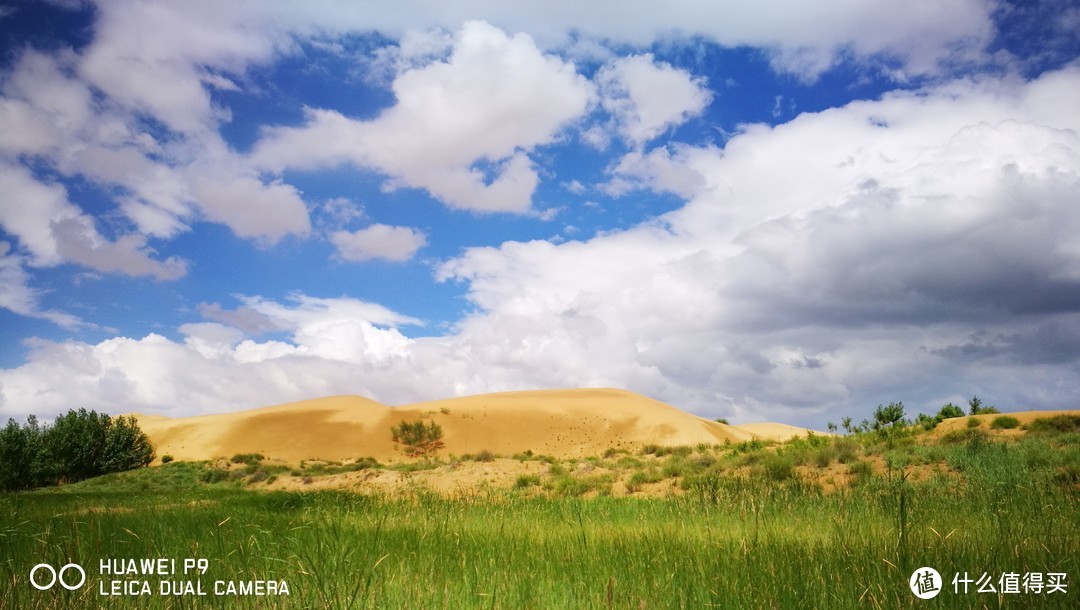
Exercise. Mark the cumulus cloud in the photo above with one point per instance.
(334, 345)
(803, 38)
(378, 241)
(664, 169)
(460, 128)
(646, 97)
(18, 296)
(53, 231)
(819, 264)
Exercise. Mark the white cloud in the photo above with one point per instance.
(804, 38)
(18, 296)
(250, 208)
(378, 241)
(495, 98)
(663, 169)
(53, 231)
(646, 97)
(336, 346)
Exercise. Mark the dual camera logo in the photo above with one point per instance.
(43, 576)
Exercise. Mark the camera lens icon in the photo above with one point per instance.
(53, 576)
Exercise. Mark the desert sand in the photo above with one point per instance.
(561, 423)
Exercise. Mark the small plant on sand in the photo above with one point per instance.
(419, 439)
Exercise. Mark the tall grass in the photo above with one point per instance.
(732, 541)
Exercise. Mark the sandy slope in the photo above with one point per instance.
(772, 431)
(563, 423)
(1025, 417)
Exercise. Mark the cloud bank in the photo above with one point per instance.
(912, 247)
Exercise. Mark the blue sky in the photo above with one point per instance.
(767, 211)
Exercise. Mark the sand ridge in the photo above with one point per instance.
(561, 423)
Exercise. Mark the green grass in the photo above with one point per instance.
(738, 537)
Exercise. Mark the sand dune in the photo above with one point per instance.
(1025, 417)
(563, 423)
(773, 431)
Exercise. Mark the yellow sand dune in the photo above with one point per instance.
(1024, 417)
(563, 423)
(772, 431)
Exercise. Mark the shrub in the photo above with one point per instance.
(214, 475)
(526, 480)
(259, 476)
(1057, 423)
(1005, 422)
(165, 459)
(778, 467)
(863, 471)
(846, 450)
(824, 456)
(419, 439)
(247, 458)
(973, 422)
(949, 411)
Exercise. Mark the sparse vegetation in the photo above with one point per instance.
(711, 516)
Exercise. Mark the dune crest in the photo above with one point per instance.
(562, 423)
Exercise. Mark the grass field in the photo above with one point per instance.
(748, 530)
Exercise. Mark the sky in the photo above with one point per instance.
(782, 210)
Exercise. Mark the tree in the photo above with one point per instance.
(419, 439)
(18, 453)
(949, 411)
(892, 415)
(78, 445)
(976, 407)
(126, 446)
(74, 444)
(974, 404)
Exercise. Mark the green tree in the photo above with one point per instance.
(974, 404)
(418, 438)
(976, 407)
(949, 411)
(891, 416)
(75, 443)
(18, 453)
(126, 446)
(78, 445)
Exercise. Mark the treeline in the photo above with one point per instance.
(891, 418)
(78, 445)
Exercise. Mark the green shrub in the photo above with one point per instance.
(1057, 423)
(165, 459)
(847, 449)
(1005, 422)
(419, 439)
(778, 467)
(247, 458)
(862, 470)
(973, 422)
(526, 480)
(214, 475)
